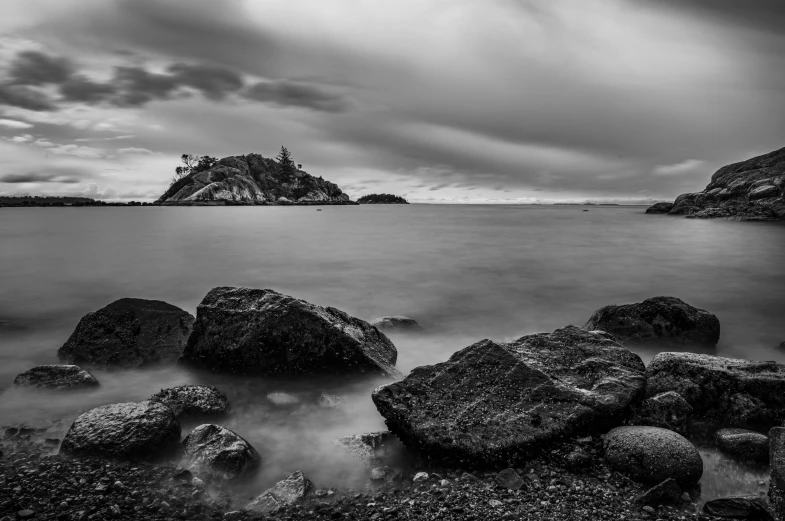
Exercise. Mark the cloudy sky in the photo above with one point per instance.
(439, 100)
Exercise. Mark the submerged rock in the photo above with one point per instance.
(667, 410)
(260, 331)
(652, 455)
(660, 208)
(744, 443)
(288, 491)
(396, 324)
(193, 401)
(217, 451)
(662, 320)
(128, 333)
(493, 403)
(331, 401)
(726, 392)
(752, 508)
(370, 447)
(131, 431)
(56, 377)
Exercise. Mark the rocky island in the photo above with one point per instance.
(382, 199)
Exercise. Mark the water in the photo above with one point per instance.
(464, 272)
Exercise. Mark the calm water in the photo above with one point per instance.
(464, 272)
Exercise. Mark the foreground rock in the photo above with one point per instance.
(722, 391)
(661, 320)
(752, 508)
(56, 377)
(668, 410)
(193, 401)
(493, 403)
(288, 491)
(370, 447)
(216, 451)
(260, 331)
(750, 190)
(129, 431)
(397, 324)
(129, 333)
(743, 443)
(660, 208)
(777, 472)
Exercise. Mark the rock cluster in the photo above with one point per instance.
(57, 377)
(193, 401)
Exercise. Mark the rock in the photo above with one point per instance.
(660, 320)
(282, 399)
(509, 479)
(420, 477)
(25, 514)
(660, 208)
(129, 431)
(652, 455)
(494, 404)
(666, 492)
(331, 401)
(744, 443)
(193, 401)
(370, 447)
(56, 377)
(577, 459)
(750, 507)
(396, 324)
(128, 333)
(289, 491)
(217, 451)
(667, 410)
(381, 473)
(722, 391)
(262, 332)
(777, 470)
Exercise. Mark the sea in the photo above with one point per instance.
(464, 272)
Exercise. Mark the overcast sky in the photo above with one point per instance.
(439, 100)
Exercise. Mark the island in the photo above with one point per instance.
(382, 199)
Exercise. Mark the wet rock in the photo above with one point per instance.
(396, 324)
(193, 401)
(131, 431)
(722, 391)
(289, 491)
(25, 514)
(370, 447)
(660, 208)
(743, 443)
(652, 455)
(667, 410)
(493, 403)
(56, 377)
(217, 451)
(420, 477)
(577, 459)
(381, 473)
(129, 333)
(260, 331)
(660, 320)
(750, 507)
(667, 491)
(509, 479)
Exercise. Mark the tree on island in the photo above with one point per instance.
(192, 163)
(286, 163)
(382, 199)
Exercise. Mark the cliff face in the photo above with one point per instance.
(251, 179)
(751, 190)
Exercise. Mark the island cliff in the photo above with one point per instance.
(251, 180)
(749, 190)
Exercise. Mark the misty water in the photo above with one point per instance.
(464, 272)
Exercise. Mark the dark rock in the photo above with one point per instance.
(509, 479)
(660, 208)
(666, 492)
(217, 451)
(289, 491)
(396, 324)
(661, 320)
(56, 377)
(744, 443)
(382, 473)
(577, 459)
(492, 403)
(652, 455)
(129, 333)
(132, 431)
(260, 331)
(750, 507)
(25, 514)
(722, 391)
(370, 447)
(777, 470)
(193, 401)
(667, 410)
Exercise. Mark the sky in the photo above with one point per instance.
(442, 101)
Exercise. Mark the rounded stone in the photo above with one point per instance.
(215, 450)
(193, 401)
(744, 443)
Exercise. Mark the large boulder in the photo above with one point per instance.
(129, 333)
(726, 392)
(288, 491)
(193, 401)
(129, 431)
(260, 331)
(216, 451)
(652, 455)
(56, 377)
(396, 324)
(660, 320)
(667, 410)
(744, 443)
(495, 403)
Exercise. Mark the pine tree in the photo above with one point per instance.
(286, 163)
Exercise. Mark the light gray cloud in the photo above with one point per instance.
(12, 123)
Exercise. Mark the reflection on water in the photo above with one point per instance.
(464, 272)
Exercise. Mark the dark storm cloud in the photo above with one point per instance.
(25, 97)
(767, 15)
(214, 81)
(289, 93)
(37, 68)
(32, 177)
(80, 88)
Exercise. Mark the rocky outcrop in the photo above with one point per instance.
(396, 324)
(128, 431)
(56, 377)
(260, 331)
(744, 443)
(249, 180)
(660, 208)
(193, 401)
(750, 190)
(667, 410)
(659, 320)
(725, 392)
(652, 455)
(751, 508)
(216, 451)
(129, 333)
(288, 491)
(495, 403)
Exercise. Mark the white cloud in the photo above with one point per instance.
(78, 151)
(134, 150)
(690, 166)
(12, 123)
(94, 191)
(24, 138)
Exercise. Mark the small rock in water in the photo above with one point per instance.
(744, 443)
(193, 401)
(420, 477)
(396, 324)
(218, 451)
(746, 507)
(509, 479)
(57, 377)
(331, 401)
(370, 447)
(282, 399)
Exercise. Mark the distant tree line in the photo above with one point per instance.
(382, 199)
